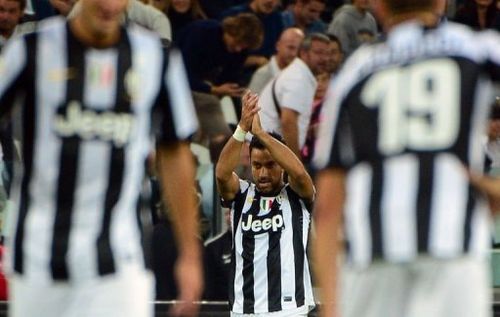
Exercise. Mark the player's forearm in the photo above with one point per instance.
(325, 247)
(228, 160)
(177, 175)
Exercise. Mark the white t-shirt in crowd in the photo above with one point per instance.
(295, 88)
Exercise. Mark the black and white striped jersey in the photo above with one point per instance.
(403, 118)
(269, 266)
(87, 122)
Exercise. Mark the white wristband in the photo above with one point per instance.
(239, 134)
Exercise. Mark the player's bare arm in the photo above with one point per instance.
(176, 171)
(226, 178)
(325, 245)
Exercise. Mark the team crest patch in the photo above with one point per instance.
(265, 205)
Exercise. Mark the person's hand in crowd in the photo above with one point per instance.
(248, 110)
(189, 278)
(228, 89)
(490, 186)
(256, 61)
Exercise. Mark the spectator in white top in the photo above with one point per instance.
(349, 20)
(287, 48)
(286, 102)
(11, 13)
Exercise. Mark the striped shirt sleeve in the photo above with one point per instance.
(13, 65)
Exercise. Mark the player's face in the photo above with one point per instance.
(10, 14)
(267, 174)
(103, 17)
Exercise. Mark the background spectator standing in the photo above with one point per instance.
(306, 15)
(348, 21)
(180, 13)
(11, 13)
(336, 55)
(287, 49)
(287, 101)
(479, 14)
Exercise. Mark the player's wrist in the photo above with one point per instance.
(240, 134)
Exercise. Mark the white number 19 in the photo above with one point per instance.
(419, 106)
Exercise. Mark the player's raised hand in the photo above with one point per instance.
(249, 108)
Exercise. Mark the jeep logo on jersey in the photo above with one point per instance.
(262, 224)
(89, 124)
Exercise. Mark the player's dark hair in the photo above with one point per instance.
(255, 143)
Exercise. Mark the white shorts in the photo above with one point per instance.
(123, 295)
(296, 312)
(426, 287)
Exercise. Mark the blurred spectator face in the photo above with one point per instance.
(483, 3)
(232, 45)
(264, 6)
(159, 4)
(310, 12)
(363, 5)
(10, 15)
(323, 80)
(63, 6)
(181, 6)
(336, 57)
(287, 47)
(317, 57)
(102, 17)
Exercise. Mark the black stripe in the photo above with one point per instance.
(69, 162)
(105, 259)
(375, 210)
(28, 144)
(425, 189)
(274, 292)
(298, 245)
(471, 204)
(248, 242)
(238, 203)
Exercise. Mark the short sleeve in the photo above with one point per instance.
(13, 63)
(178, 122)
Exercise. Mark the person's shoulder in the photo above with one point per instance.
(51, 24)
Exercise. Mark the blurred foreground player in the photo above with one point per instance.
(399, 124)
(89, 88)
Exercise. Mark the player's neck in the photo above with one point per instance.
(427, 18)
(84, 33)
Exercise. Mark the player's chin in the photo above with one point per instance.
(265, 187)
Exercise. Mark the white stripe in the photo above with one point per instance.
(88, 209)
(357, 215)
(481, 230)
(182, 103)
(43, 187)
(482, 107)
(398, 207)
(260, 284)
(448, 206)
